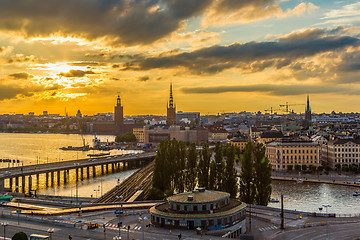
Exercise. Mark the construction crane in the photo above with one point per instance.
(287, 105)
(271, 110)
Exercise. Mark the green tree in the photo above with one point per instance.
(298, 167)
(212, 176)
(20, 236)
(337, 166)
(303, 167)
(126, 137)
(181, 166)
(191, 166)
(161, 175)
(230, 176)
(204, 165)
(247, 188)
(289, 168)
(320, 168)
(220, 166)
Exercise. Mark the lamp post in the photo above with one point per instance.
(18, 210)
(4, 224)
(251, 183)
(119, 223)
(50, 231)
(327, 223)
(142, 226)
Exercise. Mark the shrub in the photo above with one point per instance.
(20, 236)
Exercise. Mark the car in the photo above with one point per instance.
(7, 172)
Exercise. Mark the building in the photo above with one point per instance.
(282, 153)
(238, 142)
(155, 134)
(341, 151)
(171, 110)
(269, 136)
(208, 210)
(139, 134)
(78, 114)
(216, 135)
(193, 117)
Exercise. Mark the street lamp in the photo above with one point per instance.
(327, 223)
(50, 231)
(120, 210)
(142, 225)
(4, 224)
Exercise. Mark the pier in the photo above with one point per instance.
(21, 178)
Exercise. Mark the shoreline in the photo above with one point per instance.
(316, 181)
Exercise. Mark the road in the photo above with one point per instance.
(346, 231)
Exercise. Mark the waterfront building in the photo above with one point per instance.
(208, 210)
(171, 110)
(154, 134)
(282, 153)
(341, 151)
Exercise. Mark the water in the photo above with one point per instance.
(34, 148)
(311, 196)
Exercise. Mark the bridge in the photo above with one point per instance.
(59, 169)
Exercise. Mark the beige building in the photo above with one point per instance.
(238, 142)
(218, 135)
(139, 134)
(341, 151)
(269, 136)
(292, 152)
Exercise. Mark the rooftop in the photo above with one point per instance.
(199, 196)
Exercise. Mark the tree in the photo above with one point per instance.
(297, 167)
(312, 168)
(337, 166)
(230, 176)
(20, 236)
(191, 165)
(126, 137)
(303, 167)
(181, 166)
(320, 168)
(289, 168)
(262, 172)
(161, 175)
(247, 188)
(204, 165)
(255, 176)
(219, 166)
(212, 176)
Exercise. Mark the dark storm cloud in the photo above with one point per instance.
(8, 92)
(127, 22)
(22, 75)
(272, 89)
(219, 58)
(143, 78)
(76, 73)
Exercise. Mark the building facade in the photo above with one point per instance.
(238, 142)
(208, 210)
(293, 152)
(341, 151)
(139, 134)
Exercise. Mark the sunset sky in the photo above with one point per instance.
(220, 55)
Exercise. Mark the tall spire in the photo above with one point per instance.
(118, 101)
(308, 104)
(171, 100)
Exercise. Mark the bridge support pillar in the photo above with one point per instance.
(82, 173)
(16, 184)
(10, 184)
(58, 178)
(107, 168)
(52, 178)
(94, 171)
(23, 184)
(113, 167)
(88, 172)
(30, 183)
(65, 173)
(46, 179)
(102, 169)
(37, 179)
(2, 184)
(77, 174)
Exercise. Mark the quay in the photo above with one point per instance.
(61, 170)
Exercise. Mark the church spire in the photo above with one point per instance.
(171, 100)
(308, 109)
(118, 101)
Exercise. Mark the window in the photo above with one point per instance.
(203, 207)
(195, 208)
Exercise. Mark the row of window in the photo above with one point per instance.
(315, 162)
(303, 157)
(198, 207)
(346, 160)
(346, 149)
(298, 151)
(346, 155)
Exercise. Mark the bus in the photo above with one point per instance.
(39, 237)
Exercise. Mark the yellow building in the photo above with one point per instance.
(292, 152)
(139, 134)
(238, 142)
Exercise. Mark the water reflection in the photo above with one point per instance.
(310, 196)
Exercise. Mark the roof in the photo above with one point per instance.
(237, 139)
(292, 143)
(271, 134)
(343, 141)
(199, 196)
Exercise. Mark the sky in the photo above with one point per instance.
(220, 55)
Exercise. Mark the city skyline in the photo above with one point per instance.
(220, 55)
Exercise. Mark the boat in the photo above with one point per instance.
(98, 154)
(71, 148)
(299, 180)
(355, 194)
(274, 200)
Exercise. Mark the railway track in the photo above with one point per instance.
(140, 180)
